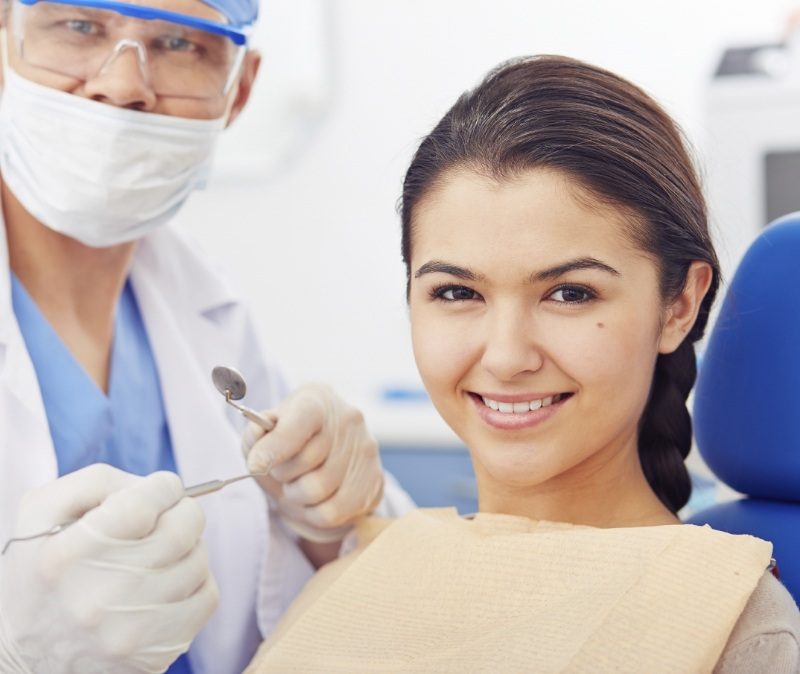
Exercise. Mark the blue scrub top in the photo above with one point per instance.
(126, 428)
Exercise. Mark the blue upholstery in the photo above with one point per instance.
(747, 399)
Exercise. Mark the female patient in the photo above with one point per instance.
(559, 272)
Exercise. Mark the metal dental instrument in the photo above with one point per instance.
(52, 530)
(215, 485)
(230, 384)
(192, 492)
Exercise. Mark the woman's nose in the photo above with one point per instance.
(511, 345)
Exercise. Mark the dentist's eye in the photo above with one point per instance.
(174, 44)
(83, 27)
(451, 293)
(572, 295)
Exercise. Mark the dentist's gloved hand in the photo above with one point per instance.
(325, 468)
(125, 589)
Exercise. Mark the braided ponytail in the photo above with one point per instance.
(665, 435)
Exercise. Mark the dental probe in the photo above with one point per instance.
(192, 492)
(215, 485)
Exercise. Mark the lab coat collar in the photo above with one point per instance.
(169, 276)
(183, 272)
(16, 369)
(183, 276)
(34, 462)
(5, 284)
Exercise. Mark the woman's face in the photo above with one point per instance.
(536, 324)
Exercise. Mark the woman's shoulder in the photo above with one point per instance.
(766, 638)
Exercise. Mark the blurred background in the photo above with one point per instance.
(301, 208)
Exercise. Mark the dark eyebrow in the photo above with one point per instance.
(572, 265)
(439, 267)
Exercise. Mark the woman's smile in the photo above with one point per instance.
(519, 411)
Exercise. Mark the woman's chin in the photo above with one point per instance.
(510, 474)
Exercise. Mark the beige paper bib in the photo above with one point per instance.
(435, 593)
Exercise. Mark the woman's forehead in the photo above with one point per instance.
(535, 211)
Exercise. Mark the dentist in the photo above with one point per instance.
(110, 323)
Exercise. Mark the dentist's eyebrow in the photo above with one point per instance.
(572, 265)
(439, 267)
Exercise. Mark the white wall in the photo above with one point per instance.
(302, 207)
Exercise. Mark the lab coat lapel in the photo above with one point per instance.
(28, 457)
(172, 294)
(177, 296)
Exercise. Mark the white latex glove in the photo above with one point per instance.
(125, 589)
(325, 467)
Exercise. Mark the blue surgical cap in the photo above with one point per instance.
(240, 13)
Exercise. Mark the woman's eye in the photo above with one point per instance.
(572, 295)
(454, 293)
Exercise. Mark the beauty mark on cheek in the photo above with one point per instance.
(601, 325)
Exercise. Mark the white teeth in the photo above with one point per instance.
(520, 407)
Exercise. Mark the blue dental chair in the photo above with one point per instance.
(747, 398)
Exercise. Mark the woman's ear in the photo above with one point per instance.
(682, 311)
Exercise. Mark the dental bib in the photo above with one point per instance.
(436, 593)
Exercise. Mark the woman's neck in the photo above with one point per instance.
(608, 490)
(75, 287)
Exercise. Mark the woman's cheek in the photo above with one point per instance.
(441, 350)
(624, 353)
(577, 341)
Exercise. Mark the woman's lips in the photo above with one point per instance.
(519, 411)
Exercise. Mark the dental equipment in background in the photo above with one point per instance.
(230, 384)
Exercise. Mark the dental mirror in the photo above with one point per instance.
(231, 385)
(229, 382)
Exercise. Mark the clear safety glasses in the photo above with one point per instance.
(178, 54)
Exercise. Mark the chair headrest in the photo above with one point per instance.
(747, 399)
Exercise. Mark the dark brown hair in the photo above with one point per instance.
(617, 143)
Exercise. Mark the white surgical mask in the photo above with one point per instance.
(98, 173)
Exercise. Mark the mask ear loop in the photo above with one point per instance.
(236, 69)
(4, 50)
(14, 22)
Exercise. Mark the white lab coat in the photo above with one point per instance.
(195, 321)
